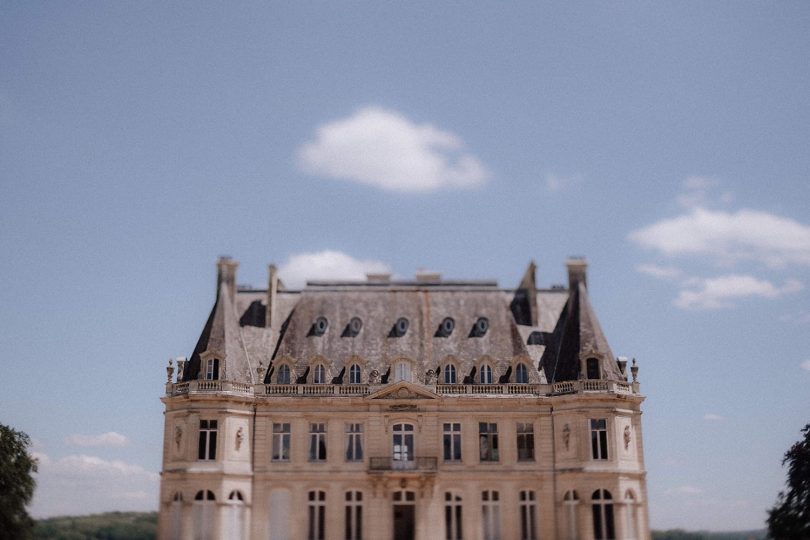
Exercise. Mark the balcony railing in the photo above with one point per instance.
(417, 464)
(355, 390)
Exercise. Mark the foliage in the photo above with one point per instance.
(16, 484)
(109, 526)
(789, 519)
(680, 534)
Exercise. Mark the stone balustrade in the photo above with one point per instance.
(350, 390)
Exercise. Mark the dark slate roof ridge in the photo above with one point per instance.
(592, 338)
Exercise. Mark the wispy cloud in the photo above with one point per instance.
(806, 365)
(711, 417)
(105, 485)
(745, 235)
(111, 438)
(382, 148)
(684, 490)
(717, 293)
(327, 264)
(660, 272)
(557, 182)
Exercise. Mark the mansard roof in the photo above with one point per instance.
(552, 331)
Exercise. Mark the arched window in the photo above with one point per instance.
(354, 374)
(283, 376)
(592, 367)
(320, 374)
(452, 516)
(450, 374)
(204, 515)
(570, 502)
(235, 515)
(602, 506)
(316, 506)
(521, 373)
(631, 515)
(176, 516)
(486, 374)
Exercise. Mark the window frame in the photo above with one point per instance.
(207, 442)
(604, 524)
(317, 442)
(451, 442)
(485, 374)
(528, 514)
(599, 439)
(524, 435)
(281, 442)
(355, 374)
(490, 515)
(488, 448)
(353, 434)
(453, 513)
(521, 367)
(353, 525)
(316, 511)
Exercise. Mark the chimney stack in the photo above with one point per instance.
(577, 272)
(272, 291)
(226, 274)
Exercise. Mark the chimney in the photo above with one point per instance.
(577, 272)
(272, 290)
(226, 274)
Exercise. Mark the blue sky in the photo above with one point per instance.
(667, 144)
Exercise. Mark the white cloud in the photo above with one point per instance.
(806, 365)
(556, 182)
(700, 182)
(696, 190)
(711, 417)
(729, 237)
(716, 293)
(660, 272)
(103, 485)
(382, 148)
(111, 438)
(327, 264)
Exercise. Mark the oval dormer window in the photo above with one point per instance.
(355, 325)
(319, 326)
(481, 326)
(401, 327)
(447, 326)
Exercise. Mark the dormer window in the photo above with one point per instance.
(450, 374)
(486, 374)
(354, 374)
(400, 328)
(212, 369)
(320, 374)
(319, 326)
(480, 327)
(521, 374)
(283, 376)
(353, 328)
(402, 371)
(592, 368)
(446, 327)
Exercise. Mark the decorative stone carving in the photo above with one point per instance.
(566, 435)
(178, 436)
(430, 377)
(626, 437)
(374, 377)
(240, 436)
(169, 371)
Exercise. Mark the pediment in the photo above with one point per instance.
(403, 390)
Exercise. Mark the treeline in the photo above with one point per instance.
(680, 534)
(109, 526)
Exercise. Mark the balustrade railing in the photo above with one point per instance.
(355, 390)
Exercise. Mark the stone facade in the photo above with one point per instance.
(414, 410)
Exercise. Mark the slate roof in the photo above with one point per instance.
(548, 329)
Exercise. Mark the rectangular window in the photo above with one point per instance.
(525, 441)
(491, 516)
(354, 515)
(212, 369)
(281, 442)
(317, 442)
(452, 442)
(528, 525)
(354, 442)
(488, 441)
(207, 448)
(599, 444)
(317, 515)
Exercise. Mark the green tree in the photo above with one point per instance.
(16, 484)
(789, 519)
